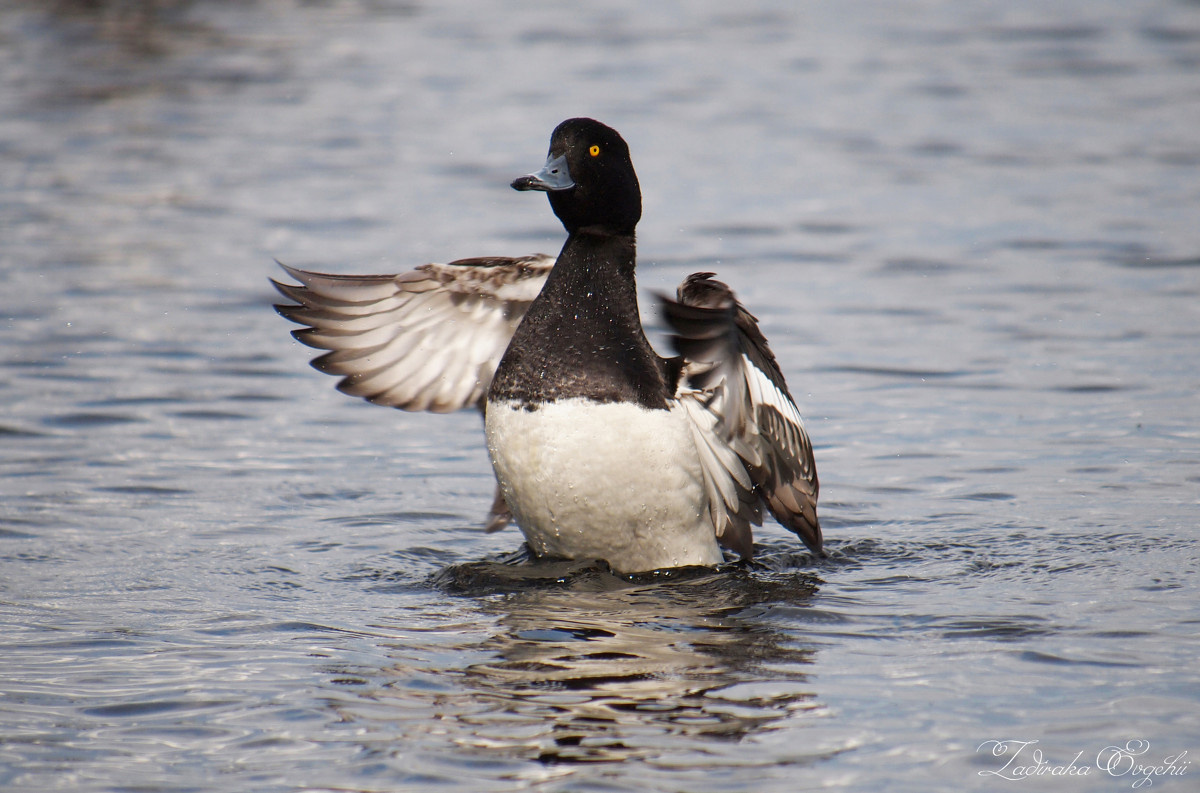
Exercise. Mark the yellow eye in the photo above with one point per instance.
(594, 150)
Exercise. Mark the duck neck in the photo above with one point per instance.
(582, 337)
(594, 276)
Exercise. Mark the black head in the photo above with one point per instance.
(589, 178)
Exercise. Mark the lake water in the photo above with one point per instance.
(970, 230)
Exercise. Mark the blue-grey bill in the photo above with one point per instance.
(553, 176)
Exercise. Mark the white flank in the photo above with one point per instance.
(604, 481)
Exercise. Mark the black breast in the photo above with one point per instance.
(582, 337)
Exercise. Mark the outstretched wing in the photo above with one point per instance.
(428, 339)
(748, 428)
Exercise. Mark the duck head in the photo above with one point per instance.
(589, 179)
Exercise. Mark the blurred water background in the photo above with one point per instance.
(970, 230)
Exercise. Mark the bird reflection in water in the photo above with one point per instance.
(586, 667)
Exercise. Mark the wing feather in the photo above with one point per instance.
(427, 339)
(752, 438)
(733, 504)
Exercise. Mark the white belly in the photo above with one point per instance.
(603, 481)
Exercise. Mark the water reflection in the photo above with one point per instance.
(602, 669)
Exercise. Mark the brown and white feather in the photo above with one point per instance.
(428, 339)
(752, 438)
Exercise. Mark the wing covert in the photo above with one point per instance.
(427, 339)
(743, 414)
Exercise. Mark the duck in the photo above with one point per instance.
(602, 448)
